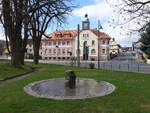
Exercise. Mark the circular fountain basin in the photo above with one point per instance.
(57, 89)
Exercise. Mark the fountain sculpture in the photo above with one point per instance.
(70, 79)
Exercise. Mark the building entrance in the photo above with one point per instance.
(85, 51)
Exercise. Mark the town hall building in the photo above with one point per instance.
(62, 44)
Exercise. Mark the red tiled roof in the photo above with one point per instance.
(100, 34)
(63, 34)
(70, 34)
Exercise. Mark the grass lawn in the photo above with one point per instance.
(7, 71)
(131, 96)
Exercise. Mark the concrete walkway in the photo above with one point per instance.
(21, 76)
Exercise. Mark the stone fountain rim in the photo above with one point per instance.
(29, 91)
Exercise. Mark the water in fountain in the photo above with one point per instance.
(69, 87)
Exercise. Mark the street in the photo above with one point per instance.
(125, 62)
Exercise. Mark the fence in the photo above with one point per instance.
(130, 67)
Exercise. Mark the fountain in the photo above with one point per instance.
(70, 79)
(70, 87)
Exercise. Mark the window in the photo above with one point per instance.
(103, 42)
(50, 43)
(63, 51)
(85, 35)
(68, 43)
(54, 43)
(59, 51)
(54, 51)
(45, 43)
(45, 51)
(63, 43)
(103, 50)
(68, 51)
(93, 51)
(59, 43)
(107, 42)
(50, 51)
(93, 42)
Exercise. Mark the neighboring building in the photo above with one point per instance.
(115, 48)
(125, 49)
(138, 53)
(62, 45)
(136, 46)
(29, 49)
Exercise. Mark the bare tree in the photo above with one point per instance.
(12, 17)
(133, 11)
(53, 12)
(17, 16)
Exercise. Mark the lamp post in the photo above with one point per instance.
(99, 27)
(78, 47)
(57, 52)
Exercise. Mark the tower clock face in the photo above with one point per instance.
(86, 25)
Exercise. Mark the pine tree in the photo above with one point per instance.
(145, 40)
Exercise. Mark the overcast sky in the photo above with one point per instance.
(96, 10)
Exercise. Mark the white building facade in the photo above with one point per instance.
(62, 45)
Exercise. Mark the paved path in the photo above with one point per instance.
(21, 76)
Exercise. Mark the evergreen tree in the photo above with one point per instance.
(145, 40)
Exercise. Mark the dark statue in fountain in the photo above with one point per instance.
(70, 78)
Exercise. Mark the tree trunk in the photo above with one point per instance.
(13, 17)
(22, 58)
(16, 54)
(36, 46)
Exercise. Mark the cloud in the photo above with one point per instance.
(98, 10)
(2, 35)
(121, 35)
(103, 11)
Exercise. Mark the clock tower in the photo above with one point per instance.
(86, 23)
